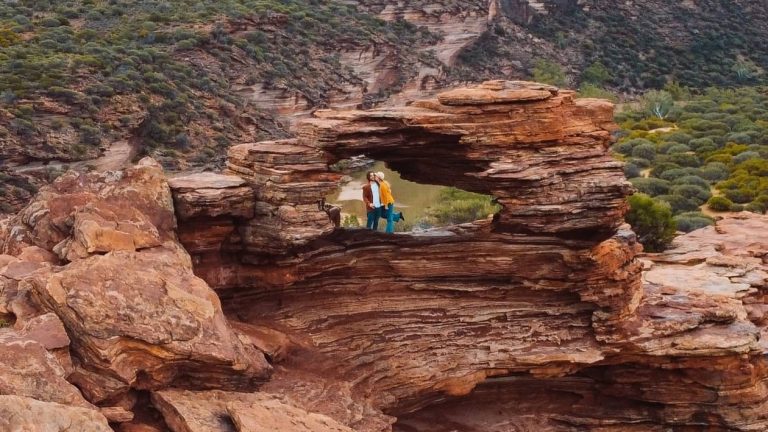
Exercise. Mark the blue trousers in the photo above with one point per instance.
(389, 214)
(373, 218)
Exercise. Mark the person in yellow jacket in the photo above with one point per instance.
(388, 203)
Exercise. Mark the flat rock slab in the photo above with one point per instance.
(217, 411)
(207, 180)
(700, 278)
(22, 414)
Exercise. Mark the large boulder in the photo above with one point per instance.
(23, 414)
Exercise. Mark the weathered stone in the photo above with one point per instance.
(123, 195)
(154, 324)
(272, 414)
(116, 414)
(216, 411)
(30, 415)
(27, 369)
(211, 195)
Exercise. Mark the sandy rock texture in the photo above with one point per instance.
(103, 302)
(545, 303)
(228, 302)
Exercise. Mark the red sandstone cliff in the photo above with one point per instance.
(227, 302)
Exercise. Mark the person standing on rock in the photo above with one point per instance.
(388, 203)
(372, 200)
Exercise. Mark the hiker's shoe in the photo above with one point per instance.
(402, 218)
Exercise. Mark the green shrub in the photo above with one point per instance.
(660, 168)
(644, 151)
(350, 221)
(742, 157)
(642, 163)
(741, 196)
(678, 148)
(596, 74)
(692, 192)
(676, 173)
(719, 203)
(593, 91)
(679, 137)
(631, 170)
(756, 207)
(651, 186)
(549, 72)
(652, 222)
(715, 171)
(658, 103)
(678, 203)
(687, 222)
(684, 159)
(691, 180)
(456, 206)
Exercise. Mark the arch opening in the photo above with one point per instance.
(425, 206)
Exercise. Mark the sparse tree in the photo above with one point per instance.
(658, 103)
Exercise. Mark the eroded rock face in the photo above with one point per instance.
(30, 415)
(216, 411)
(692, 354)
(547, 295)
(539, 319)
(93, 269)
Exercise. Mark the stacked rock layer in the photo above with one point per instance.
(228, 302)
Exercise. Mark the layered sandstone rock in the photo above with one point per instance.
(692, 355)
(547, 296)
(538, 319)
(96, 255)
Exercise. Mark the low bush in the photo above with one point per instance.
(651, 186)
(719, 203)
(690, 221)
(679, 203)
(456, 206)
(652, 222)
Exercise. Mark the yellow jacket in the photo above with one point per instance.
(385, 192)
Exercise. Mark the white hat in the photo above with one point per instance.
(380, 175)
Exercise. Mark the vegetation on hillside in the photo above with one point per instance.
(453, 206)
(644, 45)
(162, 67)
(708, 151)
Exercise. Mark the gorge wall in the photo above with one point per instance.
(228, 302)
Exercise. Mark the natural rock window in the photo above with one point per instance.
(425, 206)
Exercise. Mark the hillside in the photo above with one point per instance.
(642, 44)
(183, 80)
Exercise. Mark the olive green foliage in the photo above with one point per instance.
(83, 53)
(718, 141)
(596, 74)
(595, 91)
(721, 43)
(549, 72)
(658, 103)
(350, 221)
(718, 203)
(687, 222)
(652, 222)
(456, 206)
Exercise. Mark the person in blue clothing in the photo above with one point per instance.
(372, 200)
